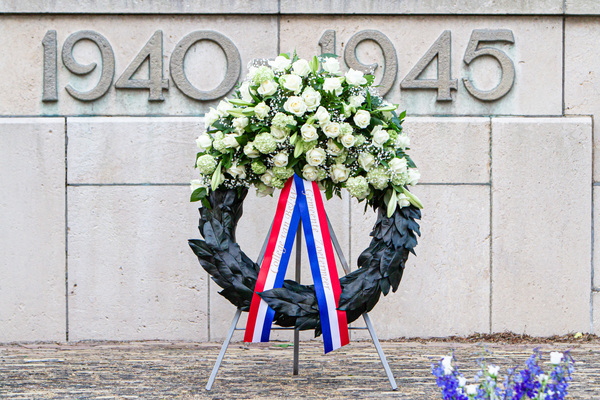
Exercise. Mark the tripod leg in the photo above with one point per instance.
(386, 366)
(213, 374)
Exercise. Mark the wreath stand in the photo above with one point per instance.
(368, 323)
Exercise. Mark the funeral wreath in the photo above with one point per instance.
(292, 116)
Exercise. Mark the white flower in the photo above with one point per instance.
(366, 161)
(267, 88)
(404, 202)
(291, 82)
(251, 151)
(333, 148)
(224, 107)
(398, 165)
(245, 92)
(356, 101)
(354, 77)
(311, 98)
(278, 133)
(261, 110)
(237, 171)
(301, 67)
(310, 173)
(339, 173)
(471, 389)
(267, 177)
(331, 65)
(462, 381)
(280, 159)
(362, 118)
(230, 142)
(295, 105)
(204, 142)
(493, 371)
(240, 123)
(322, 115)
(263, 190)
(348, 140)
(315, 157)
(195, 184)
(331, 129)
(309, 133)
(556, 358)
(211, 117)
(413, 177)
(333, 85)
(280, 63)
(543, 378)
(402, 141)
(379, 136)
(447, 364)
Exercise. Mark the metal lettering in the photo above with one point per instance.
(232, 56)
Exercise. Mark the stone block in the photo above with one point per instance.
(132, 150)
(450, 150)
(204, 64)
(596, 310)
(537, 63)
(582, 7)
(32, 216)
(132, 275)
(541, 242)
(596, 244)
(582, 68)
(138, 7)
(445, 289)
(423, 7)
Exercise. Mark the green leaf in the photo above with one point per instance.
(242, 140)
(292, 139)
(240, 102)
(286, 55)
(414, 200)
(206, 203)
(236, 112)
(314, 64)
(216, 177)
(392, 203)
(298, 149)
(368, 100)
(199, 194)
(329, 192)
(402, 115)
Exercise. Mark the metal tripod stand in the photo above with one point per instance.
(368, 323)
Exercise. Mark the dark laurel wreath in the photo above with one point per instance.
(380, 265)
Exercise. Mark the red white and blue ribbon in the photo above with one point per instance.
(300, 200)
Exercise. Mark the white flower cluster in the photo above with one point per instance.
(295, 116)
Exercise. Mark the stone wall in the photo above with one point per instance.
(501, 97)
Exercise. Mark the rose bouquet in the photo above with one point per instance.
(293, 116)
(529, 383)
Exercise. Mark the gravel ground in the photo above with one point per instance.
(167, 370)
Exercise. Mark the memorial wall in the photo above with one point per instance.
(101, 102)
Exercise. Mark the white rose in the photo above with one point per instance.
(280, 63)
(291, 82)
(339, 173)
(240, 123)
(333, 148)
(251, 151)
(380, 136)
(245, 92)
(310, 173)
(402, 141)
(366, 161)
(261, 110)
(309, 133)
(230, 142)
(267, 177)
(211, 117)
(333, 85)
(204, 142)
(356, 101)
(267, 88)
(354, 77)
(295, 105)
(556, 358)
(263, 190)
(398, 165)
(348, 140)
(413, 177)
(278, 133)
(331, 129)
(237, 171)
(322, 115)
(331, 65)
(280, 160)
(196, 184)
(315, 157)
(224, 107)
(301, 67)
(362, 118)
(311, 98)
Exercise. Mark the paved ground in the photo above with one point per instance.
(161, 370)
